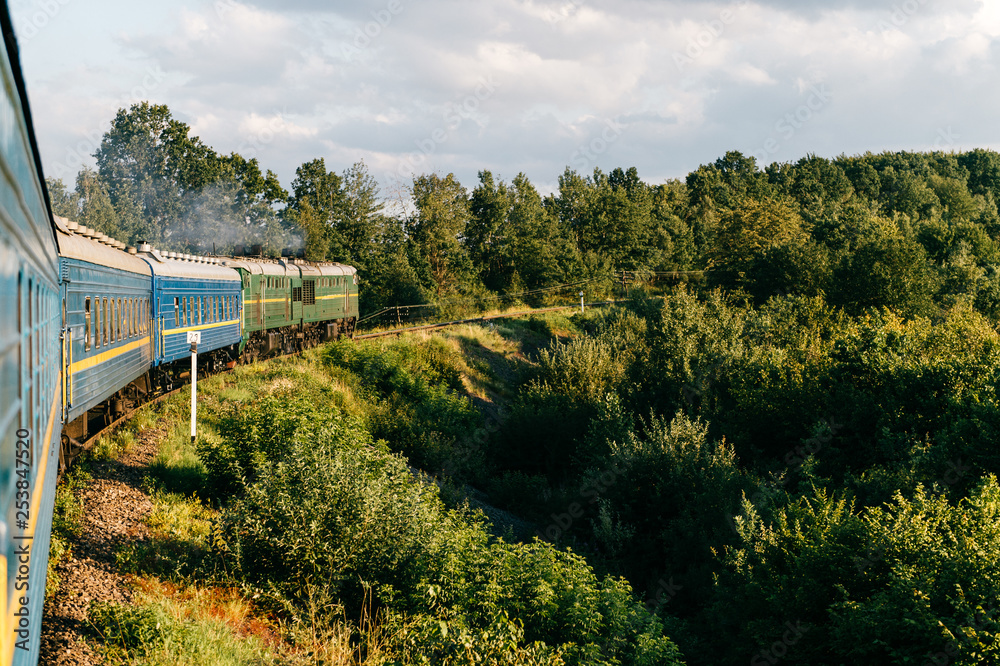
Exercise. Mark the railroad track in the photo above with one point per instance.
(474, 320)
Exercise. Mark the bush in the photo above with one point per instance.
(436, 642)
(326, 522)
(262, 430)
(927, 565)
(332, 524)
(416, 407)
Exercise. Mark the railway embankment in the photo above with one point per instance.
(294, 531)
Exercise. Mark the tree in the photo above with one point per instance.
(749, 231)
(488, 234)
(356, 223)
(315, 231)
(442, 213)
(148, 162)
(95, 208)
(64, 202)
(885, 271)
(313, 205)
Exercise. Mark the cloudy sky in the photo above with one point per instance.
(514, 86)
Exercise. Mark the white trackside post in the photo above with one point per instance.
(194, 337)
(581, 301)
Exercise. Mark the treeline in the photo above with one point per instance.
(910, 231)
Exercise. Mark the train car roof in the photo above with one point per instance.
(261, 267)
(76, 242)
(187, 266)
(288, 268)
(332, 269)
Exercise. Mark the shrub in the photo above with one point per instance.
(928, 566)
(261, 431)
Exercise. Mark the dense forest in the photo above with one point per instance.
(912, 232)
(790, 457)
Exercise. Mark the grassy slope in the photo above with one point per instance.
(178, 619)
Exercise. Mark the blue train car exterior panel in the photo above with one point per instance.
(193, 295)
(107, 296)
(30, 320)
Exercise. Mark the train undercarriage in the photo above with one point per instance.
(293, 339)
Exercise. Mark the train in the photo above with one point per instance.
(128, 310)
(91, 328)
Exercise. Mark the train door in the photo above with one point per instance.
(297, 304)
(260, 301)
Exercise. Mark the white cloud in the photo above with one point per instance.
(514, 85)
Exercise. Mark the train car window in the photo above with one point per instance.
(106, 318)
(213, 314)
(127, 332)
(200, 309)
(87, 322)
(116, 319)
(120, 319)
(177, 312)
(97, 322)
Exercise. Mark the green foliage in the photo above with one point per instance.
(442, 215)
(429, 640)
(128, 632)
(258, 432)
(839, 573)
(416, 405)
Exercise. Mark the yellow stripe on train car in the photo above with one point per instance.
(7, 618)
(201, 327)
(103, 357)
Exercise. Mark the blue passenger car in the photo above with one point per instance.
(193, 293)
(30, 316)
(107, 295)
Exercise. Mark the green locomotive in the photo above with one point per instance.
(290, 304)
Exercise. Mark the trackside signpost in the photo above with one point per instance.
(193, 338)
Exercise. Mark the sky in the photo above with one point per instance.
(511, 86)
